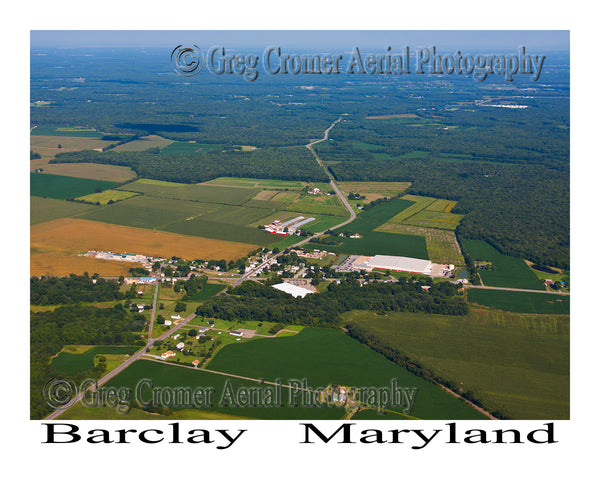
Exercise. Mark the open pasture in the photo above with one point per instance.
(56, 131)
(50, 144)
(94, 171)
(434, 219)
(143, 143)
(187, 148)
(69, 364)
(197, 192)
(221, 231)
(62, 187)
(107, 196)
(256, 183)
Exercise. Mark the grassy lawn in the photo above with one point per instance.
(519, 363)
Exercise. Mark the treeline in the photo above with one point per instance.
(252, 300)
(274, 163)
(50, 331)
(72, 289)
(414, 366)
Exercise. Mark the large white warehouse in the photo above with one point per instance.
(400, 264)
(293, 290)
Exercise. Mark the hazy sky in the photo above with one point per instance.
(481, 39)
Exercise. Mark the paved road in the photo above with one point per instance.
(127, 362)
(485, 287)
(252, 273)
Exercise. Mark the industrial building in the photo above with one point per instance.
(400, 264)
(293, 290)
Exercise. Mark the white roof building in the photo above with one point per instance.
(400, 264)
(180, 346)
(293, 290)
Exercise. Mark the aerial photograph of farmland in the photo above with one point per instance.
(365, 228)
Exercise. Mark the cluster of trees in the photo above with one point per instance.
(72, 289)
(252, 300)
(74, 325)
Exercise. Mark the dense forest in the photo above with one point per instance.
(252, 300)
(74, 325)
(72, 289)
(276, 163)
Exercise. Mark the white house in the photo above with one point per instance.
(180, 346)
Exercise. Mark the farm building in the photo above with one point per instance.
(400, 264)
(236, 333)
(293, 290)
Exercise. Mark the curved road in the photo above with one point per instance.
(335, 188)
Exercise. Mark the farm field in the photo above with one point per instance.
(61, 187)
(68, 363)
(373, 190)
(187, 148)
(348, 363)
(47, 145)
(94, 171)
(45, 261)
(68, 236)
(194, 192)
(51, 130)
(323, 204)
(46, 209)
(256, 183)
(143, 143)
(507, 271)
(168, 375)
(522, 302)
(209, 290)
(442, 245)
(387, 117)
(434, 219)
(148, 212)
(222, 231)
(428, 212)
(107, 196)
(517, 363)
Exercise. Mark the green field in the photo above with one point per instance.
(522, 302)
(323, 204)
(106, 196)
(187, 148)
(222, 231)
(516, 363)
(46, 209)
(73, 363)
(147, 212)
(267, 184)
(197, 192)
(348, 363)
(54, 131)
(209, 290)
(507, 271)
(61, 187)
(167, 375)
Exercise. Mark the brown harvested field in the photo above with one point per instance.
(54, 241)
(373, 190)
(47, 145)
(61, 265)
(247, 148)
(95, 171)
(387, 117)
(265, 194)
(143, 143)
